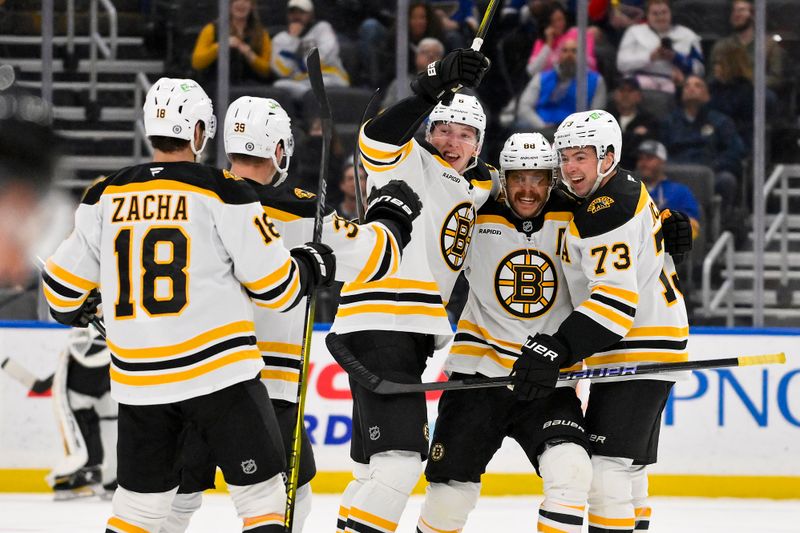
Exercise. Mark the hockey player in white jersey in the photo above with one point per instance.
(628, 308)
(178, 251)
(392, 325)
(259, 144)
(517, 287)
(87, 418)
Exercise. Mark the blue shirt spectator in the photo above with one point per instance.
(694, 133)
(666, 194)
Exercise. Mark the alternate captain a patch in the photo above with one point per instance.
(525, 283)
(456, 234)
(600, 203)
(300, 193)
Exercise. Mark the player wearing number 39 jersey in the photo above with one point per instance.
(179, 252)
(259, 144)
(628, 308)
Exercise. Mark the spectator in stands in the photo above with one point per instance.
(289, 49)
(635, 122)
(551, 95)
(731, 88)
(422, 22)
(695, 133)
(459, 21)
(616, 16)
(250, 45)
(652, 155)
(347, 207)
(659, 53)
(428, 51)
(744, 36)
(553, 33)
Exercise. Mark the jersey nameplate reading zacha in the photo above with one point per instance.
(135, 208)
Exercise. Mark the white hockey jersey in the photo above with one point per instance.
(628, 305)
(414, 298)
(179, 252)
(363, 252)
(516, 285)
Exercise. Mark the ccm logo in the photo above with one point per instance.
(544, 351)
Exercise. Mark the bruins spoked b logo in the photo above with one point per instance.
(525, 283)
(456, 234)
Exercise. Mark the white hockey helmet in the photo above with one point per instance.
(174, 106)
(596, 128)
(527, 151)
(256, 126)
(464, 109)
(88, 347)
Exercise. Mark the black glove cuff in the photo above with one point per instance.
(398, 226)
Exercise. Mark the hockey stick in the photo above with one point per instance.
(96, 321)
(318, 87)
(370, 381)
(483, 28)
(369, 112)
(23, 376)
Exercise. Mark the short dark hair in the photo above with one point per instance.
(168, 144)
(245, 159)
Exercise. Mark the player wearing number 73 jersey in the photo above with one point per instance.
(179, 252)
(628, 308)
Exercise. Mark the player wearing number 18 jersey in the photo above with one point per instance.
(179, 251)
(628, 308)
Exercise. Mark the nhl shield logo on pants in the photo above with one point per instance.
(374, 433)
(249, 466)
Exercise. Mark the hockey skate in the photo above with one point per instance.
(81, 484)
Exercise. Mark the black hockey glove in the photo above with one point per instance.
(462, 66)
(677, 230)
(81, 317)
(536, 369)
(396, 205)
(317, 262)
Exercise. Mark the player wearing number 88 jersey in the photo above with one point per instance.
(516, 288)
(179, 252)
(628, 308)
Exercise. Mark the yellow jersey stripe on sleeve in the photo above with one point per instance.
(629, 296)
(271, 279)
(392, 284)
(638, 357)
(280, 375)
(374, 257)
(619, 319)
(288, 297)
(60, 303)
(63, 274)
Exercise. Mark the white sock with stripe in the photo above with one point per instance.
(360, 476)
(378, 505)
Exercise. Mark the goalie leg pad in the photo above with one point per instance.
(380, 502)
(610, 493)
(183, 507)
(139, 509)
(447, 506)
(264, 498)
(567, 475)
(361, 476)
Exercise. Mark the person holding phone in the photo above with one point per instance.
(660, 54)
